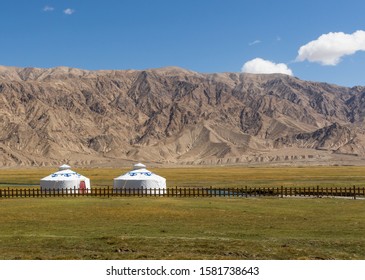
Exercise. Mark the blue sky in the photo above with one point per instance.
(201, 35)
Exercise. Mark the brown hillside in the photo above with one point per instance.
(172, 115)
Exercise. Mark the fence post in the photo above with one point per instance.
(282, 191)
(354, 192)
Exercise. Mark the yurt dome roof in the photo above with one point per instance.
(64, 167)
(64, 173)
(138, 166)
(140, 177)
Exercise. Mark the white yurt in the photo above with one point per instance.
(65, 178)
(141, 179)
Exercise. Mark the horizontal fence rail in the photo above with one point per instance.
(352, 192)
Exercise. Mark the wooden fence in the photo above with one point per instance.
(352, 192)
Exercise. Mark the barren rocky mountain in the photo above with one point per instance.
(175, 116)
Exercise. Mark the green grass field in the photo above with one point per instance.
(171, 228)
(187, 228)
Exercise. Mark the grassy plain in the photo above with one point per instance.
(234, 176)
(187, 228)
(173, 228)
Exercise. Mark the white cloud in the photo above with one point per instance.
(68, 11)
(254, 42)
(329, 48)
(261, 66)
(48, 9)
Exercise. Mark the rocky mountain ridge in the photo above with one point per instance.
(175, 116)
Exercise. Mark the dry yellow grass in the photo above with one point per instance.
(235, 176)
(188, 228)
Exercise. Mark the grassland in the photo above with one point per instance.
(213, 176)
(171, 228)
(187, 228)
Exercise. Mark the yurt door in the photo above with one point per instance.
(82, 187)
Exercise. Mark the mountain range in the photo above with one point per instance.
(174, 116)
